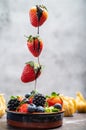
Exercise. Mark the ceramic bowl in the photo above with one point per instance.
(35, 120)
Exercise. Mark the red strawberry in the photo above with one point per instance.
(23, 108)
(35, 45)
(30, 72)
(38, 15)
(31, 100)
(53, 100)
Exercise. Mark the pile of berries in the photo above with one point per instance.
(35, 102)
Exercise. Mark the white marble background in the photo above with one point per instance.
(64, 53)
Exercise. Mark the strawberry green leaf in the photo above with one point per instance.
(13, 97)
(47, 96)
(33, 92)
(44, 7)
(51, 109)
(55, 110)
(47, 109)
(31, 63)
(31, 38)
(54, 94)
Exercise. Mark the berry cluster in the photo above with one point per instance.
(32, 102)
(35, 102)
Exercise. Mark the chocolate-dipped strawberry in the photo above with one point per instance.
(30, 72)
(38, 15)
(35, 45)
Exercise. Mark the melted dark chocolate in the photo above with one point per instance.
(34, 44)
(38, 71)
(38, 49)
(39, 12)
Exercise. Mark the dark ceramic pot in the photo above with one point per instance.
(36, 120)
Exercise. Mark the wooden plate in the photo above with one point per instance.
(36, 120)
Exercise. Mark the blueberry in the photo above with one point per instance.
(40, 109)
(58, 106)
(32, 108)
(27, 95)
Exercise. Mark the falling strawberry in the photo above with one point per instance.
(35, 45)
(38, 15)
(30, 72)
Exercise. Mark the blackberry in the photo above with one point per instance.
(13, 104)
(39, 99)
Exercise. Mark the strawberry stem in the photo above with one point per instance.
(35, 84)
(38, 61)
(39, 14)
(38, 29)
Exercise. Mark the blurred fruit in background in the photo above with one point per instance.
(80, 102)
(2, 105)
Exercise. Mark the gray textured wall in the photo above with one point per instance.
(64, 53)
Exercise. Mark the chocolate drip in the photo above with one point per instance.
(39, 12)
(39, 15)
(38, 71)
(38, 49)
(34, 43)
(34, 46)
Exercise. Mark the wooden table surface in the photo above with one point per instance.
(76, 122)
